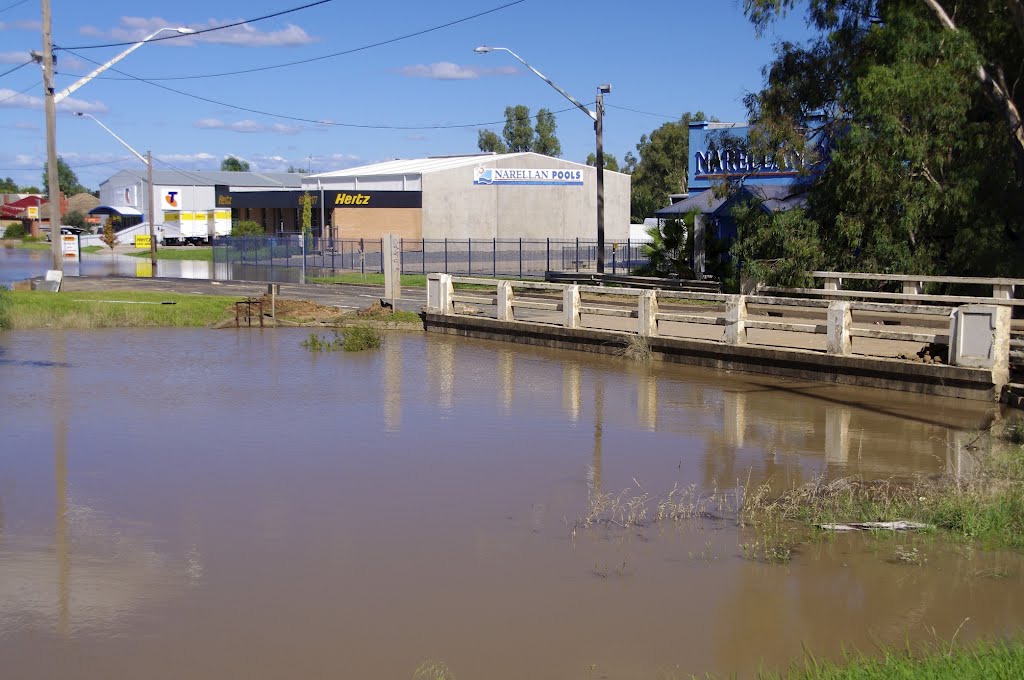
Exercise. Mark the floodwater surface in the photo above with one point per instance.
(214, 504)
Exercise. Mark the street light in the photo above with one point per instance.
(148, 160)
(50, 103)
(598, 118)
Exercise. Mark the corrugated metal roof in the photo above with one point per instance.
(419, 166)
(209, 178)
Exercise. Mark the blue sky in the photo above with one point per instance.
(661, 57)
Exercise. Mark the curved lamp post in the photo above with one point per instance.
(598, 118)
(149, 180)
(51, 98)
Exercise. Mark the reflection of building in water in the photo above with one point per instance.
(506, 378)
(962, 451)
(392, 383)
(60, 475)
(837, 435)
(572, 377)
(647, 402)
(594, 473)
(441, 370)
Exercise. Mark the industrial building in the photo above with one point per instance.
(481, 196)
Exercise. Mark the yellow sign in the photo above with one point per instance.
(223, 215)
(224, 200)
(142, 240)
(143, 269)
(33, 212)
(350, 199)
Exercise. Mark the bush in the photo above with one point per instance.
(247, 228)
(16, 230)
(76, 218)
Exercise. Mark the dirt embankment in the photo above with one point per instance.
(310, 314)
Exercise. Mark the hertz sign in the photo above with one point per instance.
(374, 199)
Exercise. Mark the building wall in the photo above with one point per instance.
(454, 207)
(372, 223)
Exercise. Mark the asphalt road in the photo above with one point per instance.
(343, 296)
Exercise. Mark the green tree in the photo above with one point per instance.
(29, 189)
(109, 237)
(923, 175)
(67, 180)
(610, 161)
(518, 133)
(246, 228)
(233, 164)
(306, 203)
(660, 168)
(668, 253)
(489, 141)
(295, 170)
(546, 142)
(76, 218)
(8, 186)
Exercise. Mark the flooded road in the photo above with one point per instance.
(190, 503)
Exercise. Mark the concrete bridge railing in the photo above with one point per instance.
(977, 335)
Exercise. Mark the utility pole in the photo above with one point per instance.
(152, 209)
(599, 129)
(51, 140)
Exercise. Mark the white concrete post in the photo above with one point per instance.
(736, 320)
(392, 256)
(1002, 291)
(505, 296)
(979, 337)
(833, 283)
(647, 319)
(571, 306)
(439, 294)
(913, 287)
(840, 319)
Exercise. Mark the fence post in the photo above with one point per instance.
(469, 247)
(577, 254)
(647, 319)
(505, 295)
(913, 287)
(445, 254)
(833, 283)
(736, 320)
(423, 254)
(571, 306)
(520, 257)
(839, 321)
(494, 258)
(547, 267)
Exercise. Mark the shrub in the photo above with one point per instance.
(76, 218)
(16, 230)
(247, 228)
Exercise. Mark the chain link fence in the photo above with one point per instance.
(247, 257)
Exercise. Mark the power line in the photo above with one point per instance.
(20, 2)
(73, 167)
(205, 30)
(16, 68)
(16, 94)
(353, 50)
(299, 119)
(646, 113)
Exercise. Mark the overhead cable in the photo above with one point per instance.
(21, 92)
(353, 50)
(20, 2)
(16, 68)
(201, 31)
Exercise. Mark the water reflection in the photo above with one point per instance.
(393, 368)
(572, 390)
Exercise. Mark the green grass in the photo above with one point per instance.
(37, 309)
(982, 661)
(92, 249)
(204, 254)
(33, 245)
(405, 317)
(5, 309)
(351, 339)
(377, 279)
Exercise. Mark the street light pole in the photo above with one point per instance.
(598, 118)
(148, 160)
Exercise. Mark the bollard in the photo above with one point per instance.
(736, 320)
(647, 319)
(840, 319)
(505, 296)
(571, 306)
(439, 294)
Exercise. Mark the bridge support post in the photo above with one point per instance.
(571, 306)
(913, 287)
(505, 296)
(736, 320)
(439, 294)
(647, 319)
(839, 321)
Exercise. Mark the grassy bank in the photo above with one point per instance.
(983, 661)
(986, 505)
(198, 253)
(377, 279)
(27, 244)
(124, 309)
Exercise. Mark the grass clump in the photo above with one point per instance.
(982, 661)
(352, 339)
(121, 309)
(433, 670)
(203, 254)
(637, 348)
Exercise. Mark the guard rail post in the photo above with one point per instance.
(571, 306)
(840, 318)
(505, 296)
(736, 320)
(647, 314)
(439, 294)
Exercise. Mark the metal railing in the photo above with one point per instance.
(506, 258)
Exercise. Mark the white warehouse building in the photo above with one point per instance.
(485, 196)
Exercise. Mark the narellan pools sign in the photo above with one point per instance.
(528, 176)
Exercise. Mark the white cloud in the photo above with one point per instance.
(244, 35)
(446, 70)
(10, 99)
(14, 57)
(246, 126)
(21, 26)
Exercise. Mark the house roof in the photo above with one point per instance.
(82, 202)
(773, 198)
(209, 178)
(420, 166)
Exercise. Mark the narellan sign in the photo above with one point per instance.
(528, 176)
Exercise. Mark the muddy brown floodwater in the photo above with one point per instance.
(197, 504)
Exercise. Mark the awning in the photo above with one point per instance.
(115, 210)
